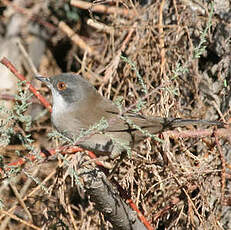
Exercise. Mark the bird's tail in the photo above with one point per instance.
(178, 122)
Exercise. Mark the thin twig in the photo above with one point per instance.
(11, 67)
(223, 164)
(161, 39)
(27, 58)
(100, 26)
(103, 9)
(19, 220)
(75, 38)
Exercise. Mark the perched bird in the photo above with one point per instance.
(77, 107)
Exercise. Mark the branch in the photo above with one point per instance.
(108, 201)
(103, 9)
(11, 67)
(223, 132)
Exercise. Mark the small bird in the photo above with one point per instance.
(78, 107)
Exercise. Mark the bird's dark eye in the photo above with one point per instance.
(61, 85)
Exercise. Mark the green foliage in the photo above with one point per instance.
(99, 126)
(37, 181)
(139, 105)
(71, 12)
(199, 50)
(133, 67)
(140, 102)
(119, 103)
(6, 127)
(71, 171)
(15, 123)
(120, 145)
(64, 11)
(179, 70)
(10, 118)
(56, 135)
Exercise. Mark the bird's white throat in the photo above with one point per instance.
(59, 104)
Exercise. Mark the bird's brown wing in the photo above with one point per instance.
(131, 123)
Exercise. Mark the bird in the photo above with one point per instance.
(95, 123)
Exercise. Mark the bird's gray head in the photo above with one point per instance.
(67, 88)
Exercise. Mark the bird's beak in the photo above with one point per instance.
(43, 79)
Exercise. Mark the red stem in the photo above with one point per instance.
(11, 67)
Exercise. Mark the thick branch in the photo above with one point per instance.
(109, 203)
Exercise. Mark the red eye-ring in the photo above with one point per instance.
(61, 85)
